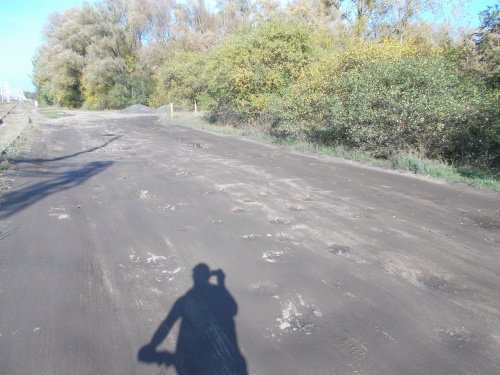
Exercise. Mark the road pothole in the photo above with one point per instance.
(250, 237)
(338, 249)
(184, 174)
(277, 220)
(297, 316)
(272, 256)
(433, 282)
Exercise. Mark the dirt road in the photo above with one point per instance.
(330, 267)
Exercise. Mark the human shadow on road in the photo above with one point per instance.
(207, 342)
(18, 200)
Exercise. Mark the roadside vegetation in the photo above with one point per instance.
(369, 80)
(403, 161)
(52, 111)
(6, 163)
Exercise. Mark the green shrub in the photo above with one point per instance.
(182, 81)
(256, 66)
(306, 104)
(128, 89)
(412, 103)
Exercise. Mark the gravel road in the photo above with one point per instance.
(265, 260)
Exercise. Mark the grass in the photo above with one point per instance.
(6, 161)
(6, 105)
(53, 112)
(412, 162)
(405, 161)
(479, 178)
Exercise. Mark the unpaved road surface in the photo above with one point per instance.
(330, 267)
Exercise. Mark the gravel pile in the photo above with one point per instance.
(164, 109)
(138, 108)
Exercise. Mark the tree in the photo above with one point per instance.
(254, 67)
(92, 55)
(265, 9)
(59, 63)
(407, 12)
(365, 16)
(181, 80)
(160, 18)
(315, 12)
(487, 39)
(232, 15)
(194, 27)
(114, 76)
(371, 19)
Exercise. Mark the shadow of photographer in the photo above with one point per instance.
(207, 342)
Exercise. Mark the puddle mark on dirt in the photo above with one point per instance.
(272, 256)
(59, 213)
(184, 174)
(285, 238)
(353, 346)
(250, 237)
(158, 268)
(338, 249)
(278, 220)
(433, 282)
(297, 316)
(144, 195)
(174, 207)
(457, 338)
(195, 145)
(153, 258)
(486, 223)
(443, 284)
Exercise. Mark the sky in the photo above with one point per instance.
(21, 24)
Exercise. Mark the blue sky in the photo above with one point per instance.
(21, 23)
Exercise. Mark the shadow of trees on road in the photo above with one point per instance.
(18, 200)
(37, 161)
(207, 342)
(72, 175)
